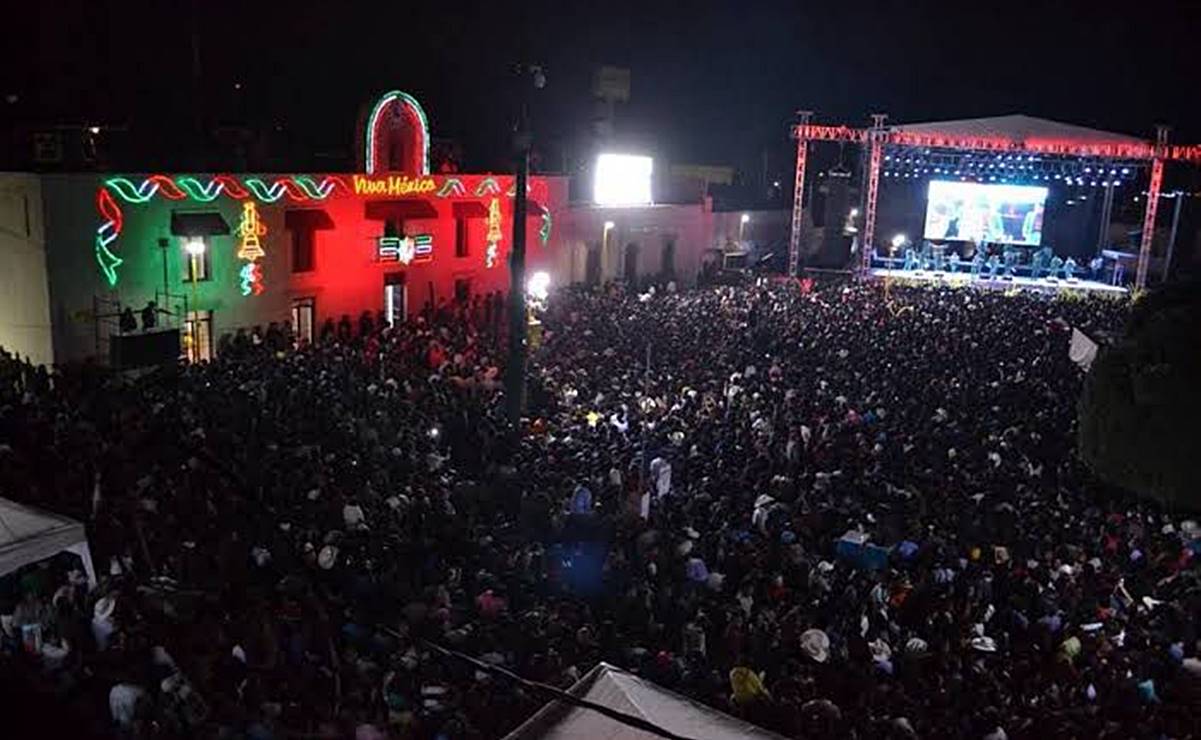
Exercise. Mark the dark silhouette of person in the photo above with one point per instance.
(149, 316)
(127, 322)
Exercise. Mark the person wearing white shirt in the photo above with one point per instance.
(661, 475)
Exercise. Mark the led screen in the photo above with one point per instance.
(976, 212)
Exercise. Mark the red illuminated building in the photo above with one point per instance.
(236, 251)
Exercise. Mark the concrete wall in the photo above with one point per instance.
(647, 230)
(24, 297)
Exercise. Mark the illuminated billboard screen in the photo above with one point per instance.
(976, 212)
(622, 180)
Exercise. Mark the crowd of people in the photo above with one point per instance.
(834, 510)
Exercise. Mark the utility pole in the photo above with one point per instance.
(515, 369)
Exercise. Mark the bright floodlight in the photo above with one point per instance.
(899, 240)
(609, 225)
(194, 246)
(746, 217)
(854, 212)
(538, 286)
(622, 180)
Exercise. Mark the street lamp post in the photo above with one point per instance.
(742, 222)
(515, 371)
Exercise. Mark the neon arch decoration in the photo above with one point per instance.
(415, 155)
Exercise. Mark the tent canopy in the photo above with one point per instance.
(29, 535)
(629, 694)
(1018, 129)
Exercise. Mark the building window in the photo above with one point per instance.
(198, 336)
(302, 250)
(304, 315)
(461, 237)
(462, 290)
(197, 256)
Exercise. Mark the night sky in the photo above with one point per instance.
(711, 82)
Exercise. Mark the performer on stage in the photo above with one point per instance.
(1012, 258)
(954, 261)
(994, 264)
(1069, 269)
(978, 260)
(1038, 263)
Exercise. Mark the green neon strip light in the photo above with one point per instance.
(313, 190)
(452, 186)
(544, 232)
(374, 117)
(487, 186)
(265, 193)
(130, 192)
(196, 191)
(107, 260)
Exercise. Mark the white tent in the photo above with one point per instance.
(629, 694)
(29, 535)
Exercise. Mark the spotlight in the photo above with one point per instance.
(538, 286)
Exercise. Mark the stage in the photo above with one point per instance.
(964, 279)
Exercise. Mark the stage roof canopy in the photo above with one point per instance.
(627, 693)
(1018, 129)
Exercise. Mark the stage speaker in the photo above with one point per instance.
(142, 349)
(835, 249)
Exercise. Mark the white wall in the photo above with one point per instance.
(24, 294)
(648, 228)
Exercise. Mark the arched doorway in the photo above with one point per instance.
(630, 269)
(592, 265)
(669, 258)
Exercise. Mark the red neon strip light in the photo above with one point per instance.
(338, 183)
(109, 209)
(232, 187)
(294, 191)
(167, 187)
